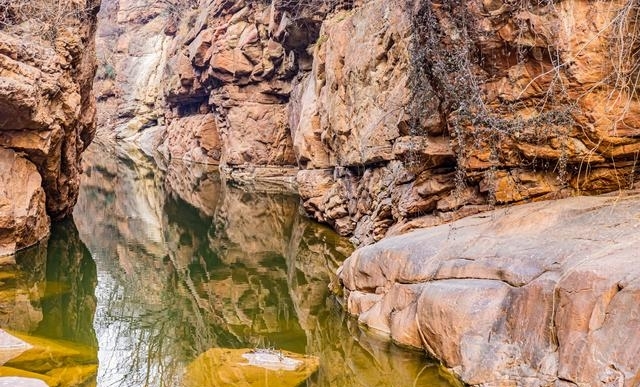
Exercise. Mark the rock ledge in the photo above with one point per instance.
(535, 295)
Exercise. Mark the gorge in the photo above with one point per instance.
(457, 144)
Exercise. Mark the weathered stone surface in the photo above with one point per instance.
(361, 68)
(453, 106)
(241, 77)
(46, 113)
(193, 138)
(23, 217)
(132, 51)
(530, 295)
(394, 82)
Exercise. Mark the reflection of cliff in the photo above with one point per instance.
(47, 296)
(197, 264)
(71, 282)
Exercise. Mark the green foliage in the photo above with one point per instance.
(106, 71)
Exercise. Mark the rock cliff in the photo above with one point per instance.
(391, 115)
(46, 113)
(402, 114)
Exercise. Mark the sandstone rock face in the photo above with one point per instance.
(47, 112)
(232, 63)
(423, 112)
(192, 138)
(537, 295)
(132, 52)
(399, 114)
(23, 216)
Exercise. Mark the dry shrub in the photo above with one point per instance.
(39, 17)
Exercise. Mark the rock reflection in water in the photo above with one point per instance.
(47, 299)
(187, 263)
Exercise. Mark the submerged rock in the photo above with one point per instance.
(272, 360)
(249, 368)
(11, 347)
(528, 296)
(14, 381)
(46, 362)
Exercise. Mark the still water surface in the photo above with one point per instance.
(164, 262)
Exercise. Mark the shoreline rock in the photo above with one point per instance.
(530, 295)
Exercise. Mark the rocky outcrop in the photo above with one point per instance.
(46, 113)
(425, 112)
(232, 64)
(132, 53)
(399, 114)
(537, 295)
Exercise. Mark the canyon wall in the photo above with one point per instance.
(402, 114)
(47, 110)
(390, 115)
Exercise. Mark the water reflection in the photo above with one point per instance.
(187, 263)
(47, 299)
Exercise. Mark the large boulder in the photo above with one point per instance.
(533, 295)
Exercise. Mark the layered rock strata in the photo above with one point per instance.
(392, 115)
(542, 294)
(417, 114)
(234, 69)
(46, 113)
(132, 53)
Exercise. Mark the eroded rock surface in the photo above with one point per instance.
(46, 112)
(394, 114)
(534, 295)
(23, 217)
(418, 113)
(132, 53)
